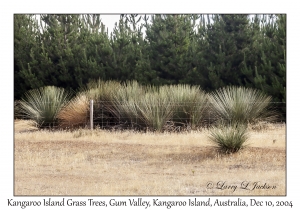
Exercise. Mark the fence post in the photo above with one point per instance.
(91, 114)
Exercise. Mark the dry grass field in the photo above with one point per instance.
(99, 162)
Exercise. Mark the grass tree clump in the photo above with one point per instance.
(229, 138)
(43, 104)
(190, 104)
(241, 105)
(234, 108)
(102, 92)
(155, 110)
(75, 113)
(126, 101)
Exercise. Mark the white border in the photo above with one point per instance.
(9, 8)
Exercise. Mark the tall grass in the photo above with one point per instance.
(235, 108)
(102, 90)
(43, 105)
(241, 105)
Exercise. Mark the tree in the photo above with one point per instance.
(62, 46)
(168, 40)
(25, 45)
(119, 67)
(198, 73)
(266, 65)
(227, 42)
(270, 73)
(61, 50)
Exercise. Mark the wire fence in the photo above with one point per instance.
(161, 116)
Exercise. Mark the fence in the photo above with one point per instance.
(161, 116)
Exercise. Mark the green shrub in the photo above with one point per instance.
(42, 105)
(189, 103)
(241, 105)
(125, 103)
(102, 93)
(229, 138)
(155, 110)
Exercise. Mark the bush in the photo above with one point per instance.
(125, 104)
(134, 105)
(43, 105)
(241, 105)
(155, 110)
(229, 138)
(189, 103)
(102, 92)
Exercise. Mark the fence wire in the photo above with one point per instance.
(168, 115)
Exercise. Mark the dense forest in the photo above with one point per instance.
(211, 51)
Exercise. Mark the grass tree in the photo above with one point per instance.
(75, 113)
(43, 104)
(241, 105)
(229, 138)
(189, 103)
(235, 108)
(102, 92)
(155, 110)
(126, 101)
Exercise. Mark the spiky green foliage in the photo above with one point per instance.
(189, 103)
(102, 92)
(155, 110)
(125, 103)
(241, 105)
(43, 104)
(229, 138)
(75, 113)
(134, 105)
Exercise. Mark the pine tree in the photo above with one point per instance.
(270, 74)
(265, 63)
(168, 40)
(198, 73)
(138, 46)
(96, 52)
(227, 41)
(118, 65)
(60, 50)
(62, 47)
(25, 46)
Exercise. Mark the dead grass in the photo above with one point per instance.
(75, 113)
(25, 125)
(98, 162)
